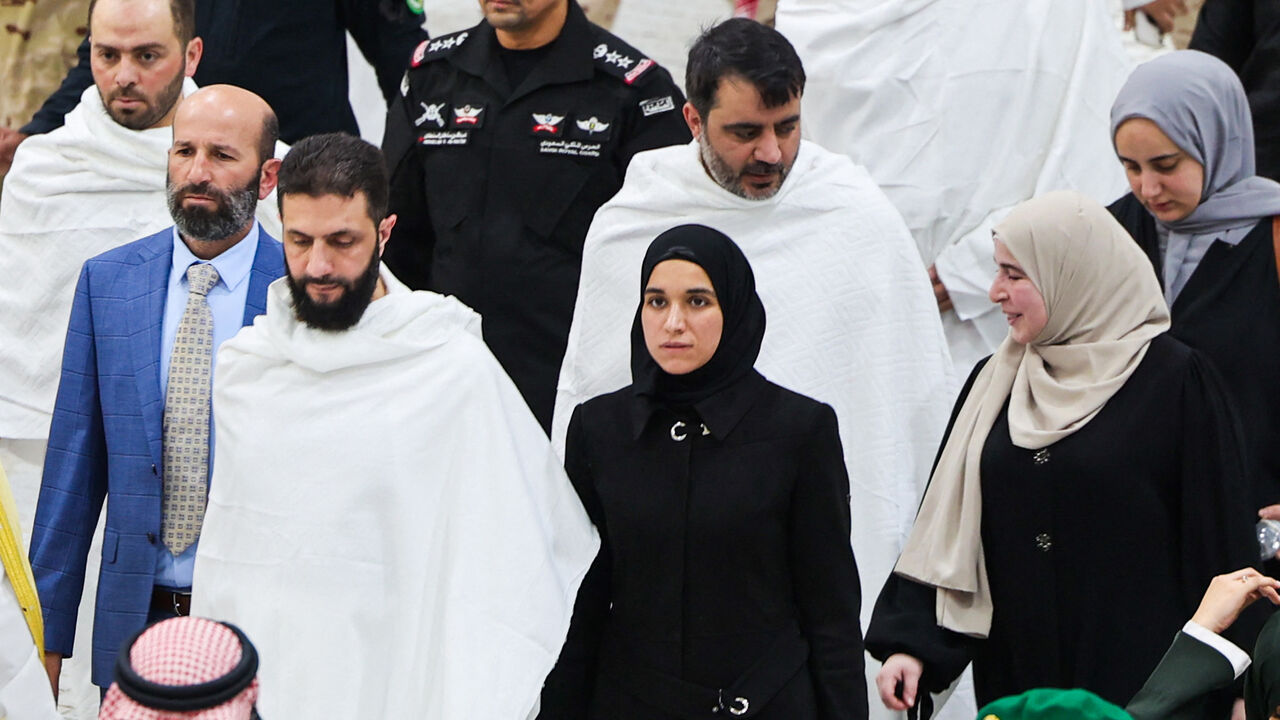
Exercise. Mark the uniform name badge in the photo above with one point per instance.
(445, 137)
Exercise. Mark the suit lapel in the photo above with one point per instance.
(268, 266)
(148, 289)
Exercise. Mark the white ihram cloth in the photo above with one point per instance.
(387, 521)
(961, 109)
(851, 318)
(85, 188)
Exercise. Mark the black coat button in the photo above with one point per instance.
(1041, 457)
(1044, 541)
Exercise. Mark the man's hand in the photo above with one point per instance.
(9, 142)
(939, 290)
(1230, 594)
(53, 666)
(899, 668)
(1161, 11)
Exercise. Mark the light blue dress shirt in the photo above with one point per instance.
(226, 302)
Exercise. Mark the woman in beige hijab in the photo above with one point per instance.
(1089, 487)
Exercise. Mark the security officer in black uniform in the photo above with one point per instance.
(507, 138)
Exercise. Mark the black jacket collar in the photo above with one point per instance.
(720, 413)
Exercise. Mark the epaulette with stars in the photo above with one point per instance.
(438, 47)
(622, 61)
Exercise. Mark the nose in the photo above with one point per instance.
(1150, 184)
(126, 73)
(199, 169)
(319, 260)
(997, 292)
(675, 320)
(768, 150)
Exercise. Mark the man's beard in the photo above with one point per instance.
(730, 180)
(155, 108)
(233, 213)
(342, 313)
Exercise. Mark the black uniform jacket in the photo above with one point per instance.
(1230, 311)
(1098, 547)
(495, 186)
(1246, 35)
(721, 549)
(293, 53)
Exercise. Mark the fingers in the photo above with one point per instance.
(1270, 512)
(887, 684)
(940, 293)
(1129, 16)
(898, 681)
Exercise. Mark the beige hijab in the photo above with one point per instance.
(1104, 307)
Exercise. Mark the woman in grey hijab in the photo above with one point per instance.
(1182, 130)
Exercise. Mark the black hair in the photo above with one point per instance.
(745, 48)
(336, 164)
(184, 19)
(269, 134)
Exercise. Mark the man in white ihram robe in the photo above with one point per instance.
(386, 519)
(961, 110)
(851, 319)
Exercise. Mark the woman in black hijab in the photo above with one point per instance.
(725, 584)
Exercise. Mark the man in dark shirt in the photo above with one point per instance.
(293, 53)
(507, 138)
(1245, 34)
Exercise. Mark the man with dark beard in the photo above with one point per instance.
(381, 489)
(132, 417)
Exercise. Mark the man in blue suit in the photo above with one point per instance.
(131, 421)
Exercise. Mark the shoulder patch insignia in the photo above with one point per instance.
(419, 53)
(622, 62)
(431, 49)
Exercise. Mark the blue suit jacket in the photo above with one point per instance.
(105, 441)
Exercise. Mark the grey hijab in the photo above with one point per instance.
(1197, 100)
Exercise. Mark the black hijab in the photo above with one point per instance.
(735, 288)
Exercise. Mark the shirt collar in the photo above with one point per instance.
(719, 413)
(233, 265)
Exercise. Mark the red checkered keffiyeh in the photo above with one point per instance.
(180, 652)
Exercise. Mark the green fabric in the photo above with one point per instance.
(1053, 704)
(1183, 682)
(1262, 680)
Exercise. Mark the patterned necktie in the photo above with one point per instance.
(186, 415)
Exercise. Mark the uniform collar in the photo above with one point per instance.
(719, 413)
(568, 61)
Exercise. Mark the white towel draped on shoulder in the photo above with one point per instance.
(387, 521)
(85, 188)
(960, 110)
(851, 320)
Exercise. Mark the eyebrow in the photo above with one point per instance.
(1011, 266)
(220, 147)
(139, 48)
(690, 291)
(1158, 158)
(344, 232)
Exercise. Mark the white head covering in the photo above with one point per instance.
(1104, 307)
(1197, 100)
